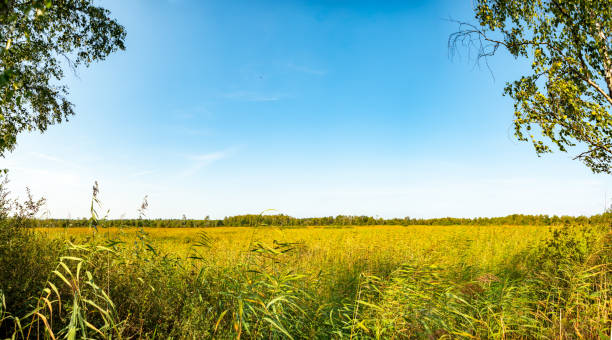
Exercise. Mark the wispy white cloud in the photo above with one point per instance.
(204, 160)
(198, 111)
(58, 160)
(47, 157)
(306, 69)
(194, 131)
(253, 96)
(143, 173)
(210, 157)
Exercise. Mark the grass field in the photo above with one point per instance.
(423, 282)
(317, 248)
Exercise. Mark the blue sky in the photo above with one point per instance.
(312, 108)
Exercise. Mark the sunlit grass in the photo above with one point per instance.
(370, 247)
(502, 282)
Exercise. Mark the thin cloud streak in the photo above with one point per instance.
(143, 173)
(47, 157)
(252, 96)
(306, 69)
(57, 160)
(204, 160)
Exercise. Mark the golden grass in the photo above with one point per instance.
(369, 246)
(503, 282)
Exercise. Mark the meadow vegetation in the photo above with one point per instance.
(429, 282)
(343, 277)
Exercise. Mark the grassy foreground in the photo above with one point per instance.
(473, 282)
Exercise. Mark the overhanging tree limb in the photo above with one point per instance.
(568, 96)
(39, 38)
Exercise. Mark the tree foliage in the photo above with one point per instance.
(39, 41)
(566, 99)
(332, 221)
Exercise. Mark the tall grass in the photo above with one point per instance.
(421, 282)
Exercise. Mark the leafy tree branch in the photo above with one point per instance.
(566, 100)
(39, 39)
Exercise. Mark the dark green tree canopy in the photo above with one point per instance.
(39, 41)
(566, 100)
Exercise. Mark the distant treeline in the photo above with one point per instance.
(340, 220)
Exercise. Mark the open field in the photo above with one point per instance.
(429, 282)
(318, 248)
(420, 209)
